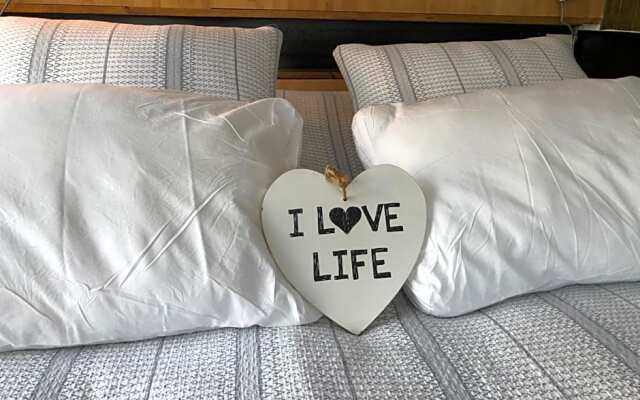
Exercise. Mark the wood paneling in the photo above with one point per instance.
(312, 84)
(622, 14)
(311, 79)
(517, 11)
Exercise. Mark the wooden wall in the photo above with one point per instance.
(516, 11)
(622, 14)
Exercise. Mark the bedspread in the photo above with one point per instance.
(577, 342)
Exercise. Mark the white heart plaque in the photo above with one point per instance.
(347, 258)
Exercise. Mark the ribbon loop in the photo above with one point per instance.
(333, 176)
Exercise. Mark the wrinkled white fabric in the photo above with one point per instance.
(528, 189)
(128, 213)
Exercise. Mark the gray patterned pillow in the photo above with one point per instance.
(418, 72)
(232, 63)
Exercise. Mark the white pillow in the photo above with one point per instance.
(128, 213)
(528, 189)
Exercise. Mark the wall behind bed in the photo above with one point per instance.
(622, 14)
(515, 11)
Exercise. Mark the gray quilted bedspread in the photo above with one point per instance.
(579, 342)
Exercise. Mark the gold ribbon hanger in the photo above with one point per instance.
(333, 176)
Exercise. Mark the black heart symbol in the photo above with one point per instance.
(345, 220)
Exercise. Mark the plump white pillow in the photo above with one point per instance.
(129, 213)
(528, 189)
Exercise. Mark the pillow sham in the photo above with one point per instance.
(415, 72)
(528, 189)
(230, 63)
(129, 213)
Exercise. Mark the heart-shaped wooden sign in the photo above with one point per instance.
(348, 258)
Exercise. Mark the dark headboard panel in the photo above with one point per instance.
(309, 44)
(609, 54)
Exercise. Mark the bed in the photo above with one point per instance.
(575, 342)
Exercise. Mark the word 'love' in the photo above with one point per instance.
(347, 219)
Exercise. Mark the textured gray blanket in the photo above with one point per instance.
(577, 342)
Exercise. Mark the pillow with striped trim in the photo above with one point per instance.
(229, 63)
(417, 72)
